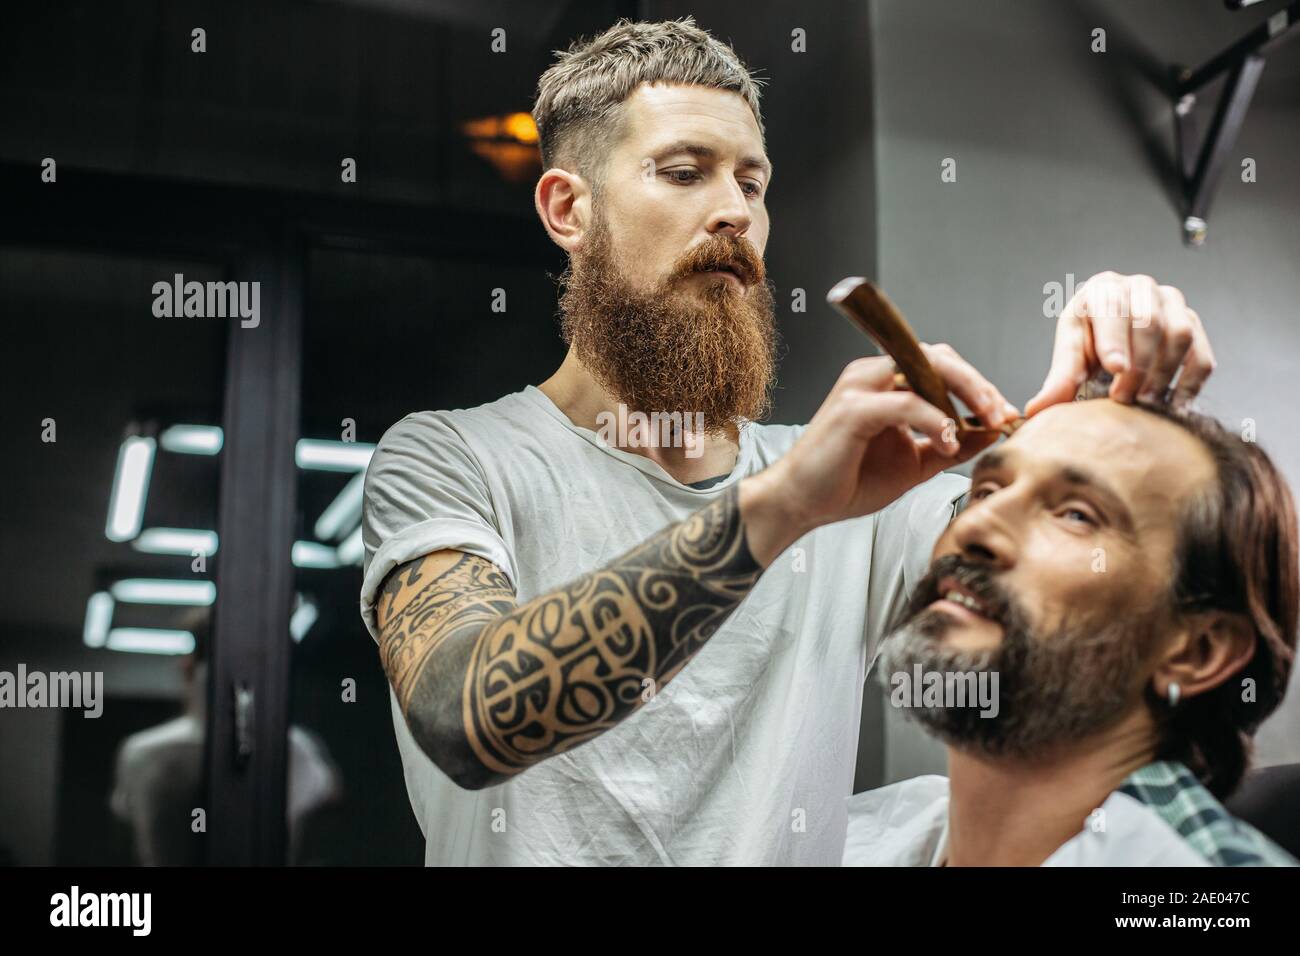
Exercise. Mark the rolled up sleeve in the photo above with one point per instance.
(425, 491)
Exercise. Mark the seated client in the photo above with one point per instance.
(1101, 631)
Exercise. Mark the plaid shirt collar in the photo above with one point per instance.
(1174, 793)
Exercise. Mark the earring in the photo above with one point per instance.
(1175, 692)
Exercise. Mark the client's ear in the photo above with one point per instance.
(1209, 650)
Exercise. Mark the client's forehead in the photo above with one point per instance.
(1153, 464)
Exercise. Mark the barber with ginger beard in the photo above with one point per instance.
(532, 587)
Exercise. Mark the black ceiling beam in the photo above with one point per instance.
(105, 211)
(1201, 162)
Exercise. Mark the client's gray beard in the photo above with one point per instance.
(1052, 689)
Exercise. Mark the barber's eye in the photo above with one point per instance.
(691, 175)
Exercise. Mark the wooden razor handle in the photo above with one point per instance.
(867, 307)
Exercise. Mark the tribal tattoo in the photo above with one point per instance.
(522, 683)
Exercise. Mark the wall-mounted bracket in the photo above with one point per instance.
(1201, 160)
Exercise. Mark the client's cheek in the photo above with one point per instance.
(1039, 588)
(1073, 602)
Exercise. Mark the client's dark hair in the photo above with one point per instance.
(1236, 553)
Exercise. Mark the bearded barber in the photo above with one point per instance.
(632, 655)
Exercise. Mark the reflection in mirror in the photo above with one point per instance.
(108, 559)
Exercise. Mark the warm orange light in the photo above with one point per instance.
(508, 142)
(515, 126)
(484, 128)
(521, 127)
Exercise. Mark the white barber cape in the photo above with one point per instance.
(906, 824)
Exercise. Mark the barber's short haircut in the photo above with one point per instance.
(1236, 552)
(579, 108)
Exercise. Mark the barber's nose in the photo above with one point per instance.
(732, 215)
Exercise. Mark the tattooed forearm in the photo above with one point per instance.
(461, 600)
(570, 665)
(492, 688)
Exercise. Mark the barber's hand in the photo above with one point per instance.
(858, 453)
(1140, 332)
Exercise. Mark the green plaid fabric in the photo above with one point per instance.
(1173, 791)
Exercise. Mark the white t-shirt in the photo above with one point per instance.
(745, 757)
(159, 780)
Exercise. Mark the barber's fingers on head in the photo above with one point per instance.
(1198, 363)
(965, 381)
(1143, 333)
(1124, 315)
(1165, 338)
(1070, 354)
(1133, 316)
(1172, 335)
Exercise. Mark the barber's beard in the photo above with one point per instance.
(697, 346)
(1053, 689)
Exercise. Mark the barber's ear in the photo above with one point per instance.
(563, 203)
(1211, 648)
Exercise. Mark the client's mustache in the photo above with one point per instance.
(975, 577)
